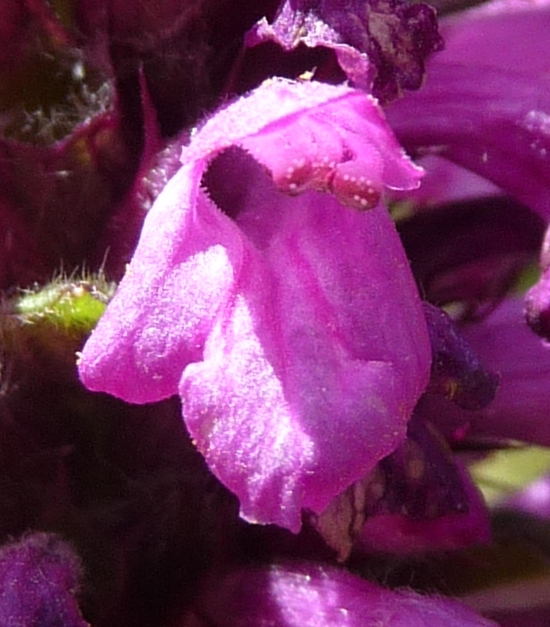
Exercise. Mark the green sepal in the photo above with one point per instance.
(71, 305)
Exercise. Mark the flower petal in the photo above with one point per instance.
(177, 282)
(488, 109)
(293, 321)
(306, 595)
(483, 34)
(311, 135)
(312, 375)
(537, 300)
(382, 45)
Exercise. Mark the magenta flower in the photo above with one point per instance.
(284, 315)
(271, 301)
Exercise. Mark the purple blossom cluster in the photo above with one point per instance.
(292, 246)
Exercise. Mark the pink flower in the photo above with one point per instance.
(283, 313)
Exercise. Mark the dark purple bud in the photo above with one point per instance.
(378, 44)
(456, 373)
(520, 408)
(39, 580)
